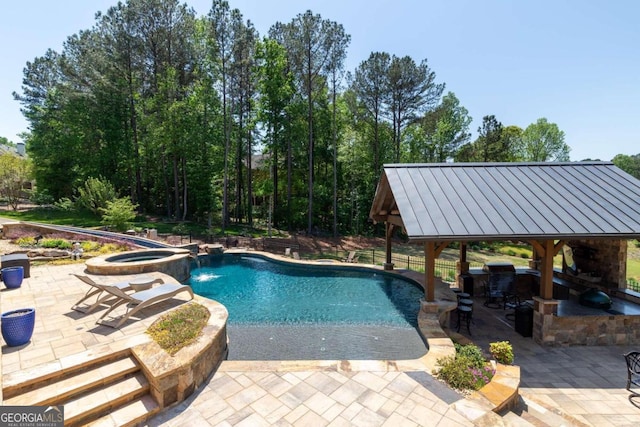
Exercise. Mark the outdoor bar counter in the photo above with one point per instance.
(567, 293)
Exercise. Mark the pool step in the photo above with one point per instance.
(99, 391)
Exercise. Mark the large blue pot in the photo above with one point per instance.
(17, 326)
(12, 276)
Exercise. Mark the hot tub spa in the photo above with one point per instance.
(172, 261)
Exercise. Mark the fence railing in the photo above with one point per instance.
(444, 269)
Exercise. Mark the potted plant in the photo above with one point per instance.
(13, 276)
(17, 326)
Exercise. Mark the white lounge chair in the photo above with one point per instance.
(351, 257)
(139, 300)
(97, 289)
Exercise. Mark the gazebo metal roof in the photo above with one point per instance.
(509, 201)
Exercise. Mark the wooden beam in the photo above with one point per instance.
(537, 247)
(381, 194)
(440, 247)
(429, 271)
(395, 220)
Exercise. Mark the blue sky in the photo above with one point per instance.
(577, 63)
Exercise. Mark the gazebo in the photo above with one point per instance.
(545, 204)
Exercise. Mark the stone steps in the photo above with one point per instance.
(104, 391)
(528, 413)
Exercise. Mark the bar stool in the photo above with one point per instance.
(464, 315)
(468, 302)
(462, 295)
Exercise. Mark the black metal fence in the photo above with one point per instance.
(444, 269)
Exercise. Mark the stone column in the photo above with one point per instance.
(543, 315)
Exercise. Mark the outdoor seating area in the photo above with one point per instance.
(103, 296)
(137, 301)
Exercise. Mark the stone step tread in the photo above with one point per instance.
(130, 414)
(105, 399)
(543, 415)
(512, 419)
(18, 382)
(59, 391)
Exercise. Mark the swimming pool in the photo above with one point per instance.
(284, 311)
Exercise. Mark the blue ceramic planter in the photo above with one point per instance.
(17, 326)
(12, 276)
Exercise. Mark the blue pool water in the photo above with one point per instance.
(257, 291)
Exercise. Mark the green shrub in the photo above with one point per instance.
(468, 370)
(180, 230)
(65, 204)
(502, 351)
(25, 241)
(119, 213)
(473, 353)
(41, 197)
(96, 194)
(55, 244)
(90, 246)
(455, 372)
(460, 372)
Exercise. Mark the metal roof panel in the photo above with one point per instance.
(513, 200)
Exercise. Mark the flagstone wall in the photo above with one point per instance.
(601, 263)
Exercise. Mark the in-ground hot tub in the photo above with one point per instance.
(172, 261)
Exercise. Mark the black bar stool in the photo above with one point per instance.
(464, 315)
(462, 295)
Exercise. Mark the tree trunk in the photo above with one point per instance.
(185, 191)
(176, 185)
(335, 163)
(310, 120)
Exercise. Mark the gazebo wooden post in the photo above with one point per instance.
(432, 250)
(545, 306)
(388, 265)
(462, 266)
(429, 271)
(546, 250)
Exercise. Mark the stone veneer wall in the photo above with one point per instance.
(605, 257)
(592, 330)
(173, 378)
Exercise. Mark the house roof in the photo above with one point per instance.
(509, 201)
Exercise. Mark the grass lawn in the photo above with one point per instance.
(633, 261)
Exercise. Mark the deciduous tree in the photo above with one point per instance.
(543, 141)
